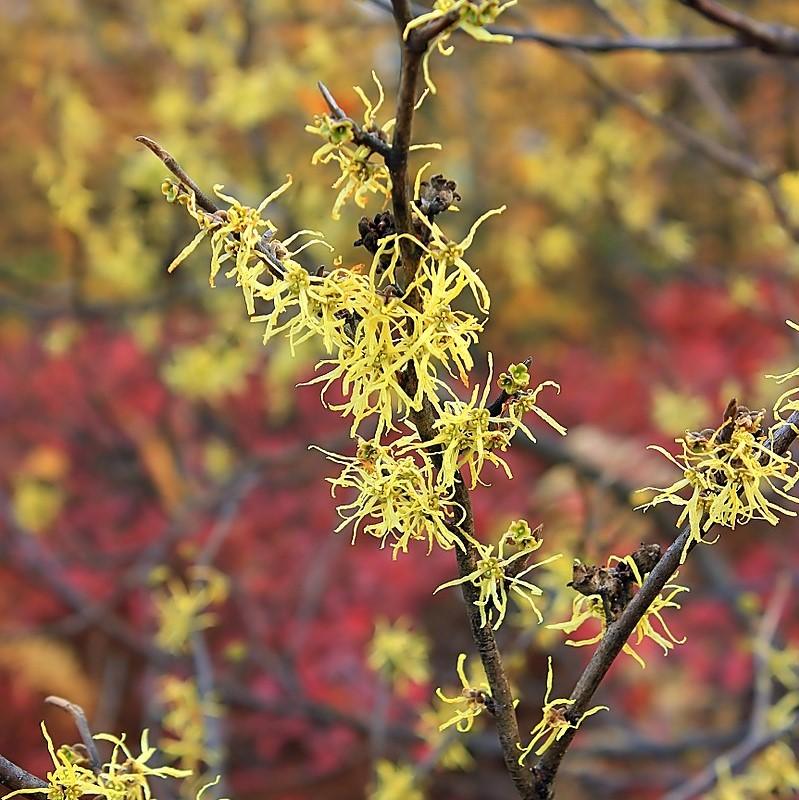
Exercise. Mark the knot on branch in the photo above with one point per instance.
(614, 584)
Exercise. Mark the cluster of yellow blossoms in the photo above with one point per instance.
(731, 473)
(360, 174)
(123, 777)
(498, 575)
(555, 720)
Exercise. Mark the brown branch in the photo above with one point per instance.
(82, 724)
(203, 200)
(617, 633)
(769, 38)
(599, 45)
(14, 777)
(413, 50)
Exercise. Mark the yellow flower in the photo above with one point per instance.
(236, 234)
(360, 176)
(395, 782)
(398, 498)
(473, 17)
(496, 574)
(128, 778)
(555, 720)
(325, 305)
(399, 654)
(184, 723)
(469, 434)
(729, 473)
(472, 701)
(443, 260)
(371, 365)
(182, 610)
(439, 334)
(589, 607)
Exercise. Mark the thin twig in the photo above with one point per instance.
(762, 647)
(735, 162)
(203, 200)
(734, 760)
(82, 724)
(359, 135)
(770, 38)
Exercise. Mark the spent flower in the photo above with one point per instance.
(652, 626)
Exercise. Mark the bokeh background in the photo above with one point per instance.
(146, 433)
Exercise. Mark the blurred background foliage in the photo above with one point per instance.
(145, 430)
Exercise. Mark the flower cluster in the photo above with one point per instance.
(123, 777)
(555, 720)
(241, 235)
(398, 497)
(495, 576)
(182, 609)
(472, 19)
(614, 586)
(399, 654)
(360, 175)
(730, 473)
(469, 434)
